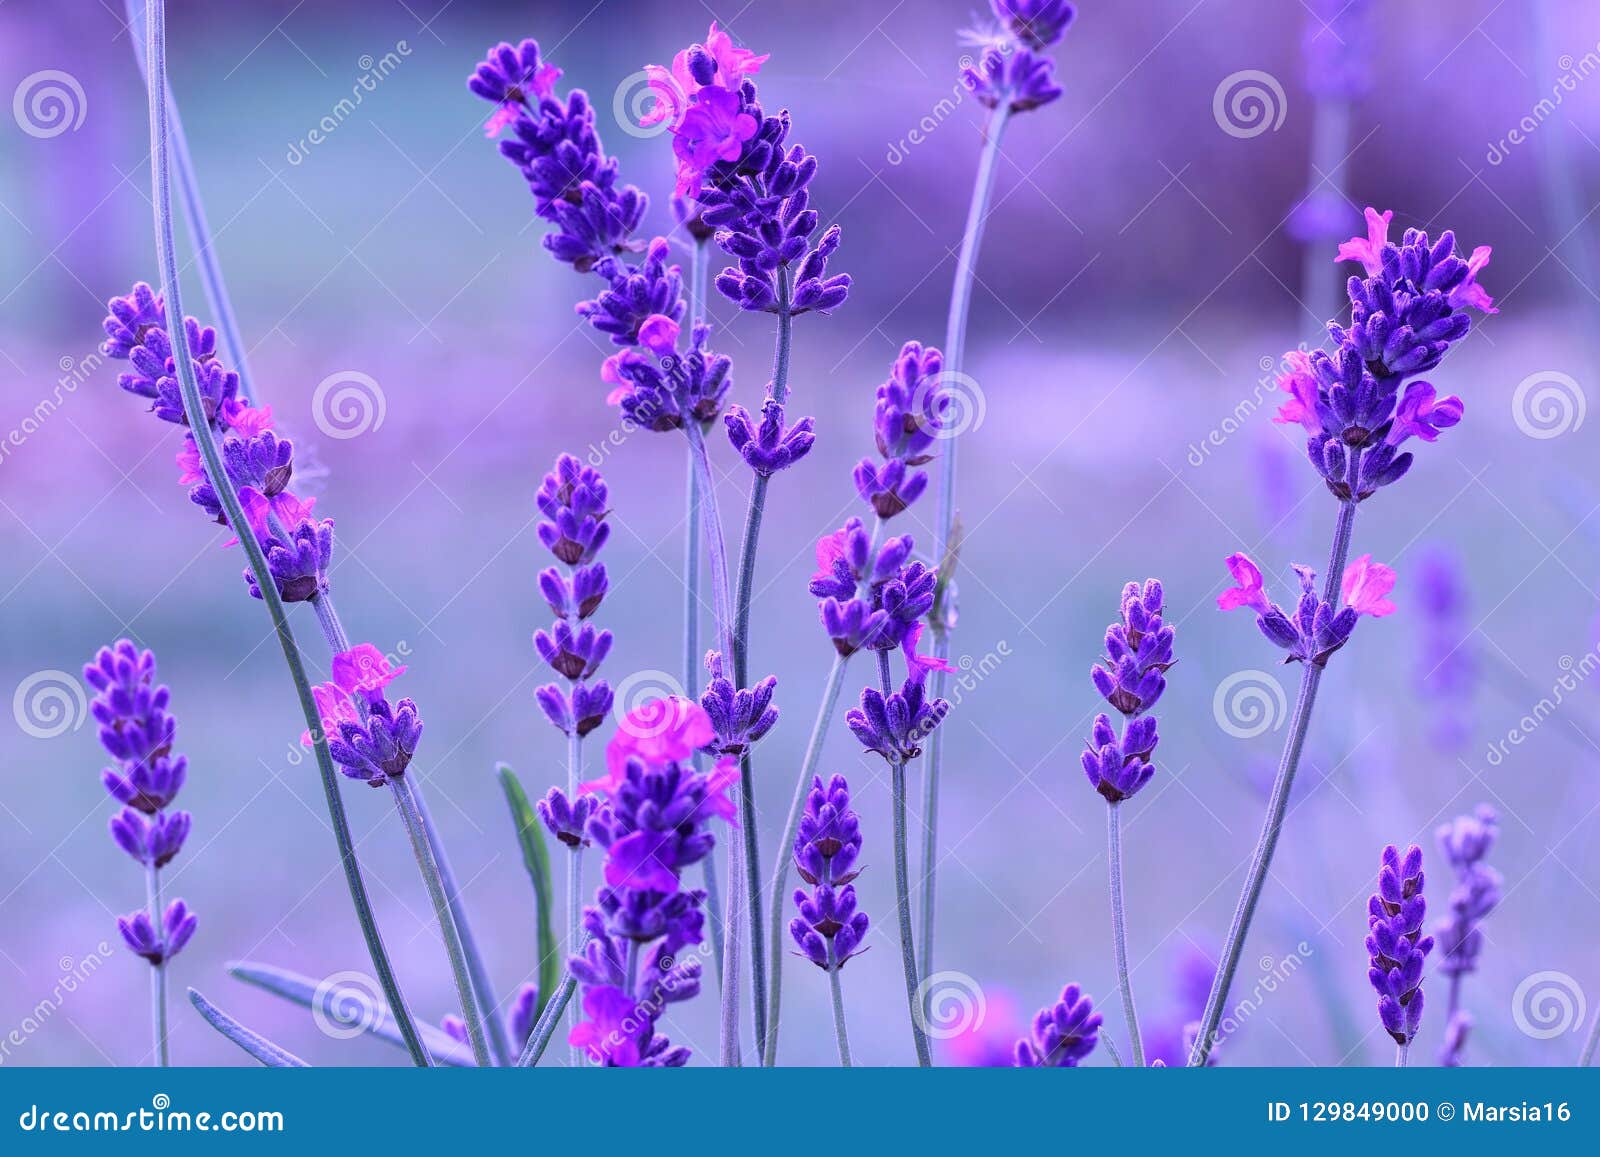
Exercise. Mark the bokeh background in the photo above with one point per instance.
(1140, 275)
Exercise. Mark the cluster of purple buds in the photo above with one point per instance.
(1316, 628)
(1466, 842)
(847, 566)
(896, 724)
(1063, 1034)
(1396, 944)
(369, 738)
(555, 146)
(137, 733)
(670, 390)
(1131, 678)
(654, 823)
(769, 446)
(520, 1019)
(259, 463)
(830, 929)
(574, 529)
(751, 185)
(1011, 71)
(739, 716)
(1406, 314)
(905, 424)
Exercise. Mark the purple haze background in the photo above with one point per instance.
(1135, 279)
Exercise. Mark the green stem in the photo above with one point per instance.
(405, 801)
(1119, 930)
(1586, 1058)
(1278, 803)
(574, 866)
(780, 871)
(839, 1032)
(158, 972)
(955, 351)
(902, 889)
(539, 1038)
(211, 455)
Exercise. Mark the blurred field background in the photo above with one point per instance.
(1136, 278)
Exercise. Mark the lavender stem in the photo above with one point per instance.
(839, 1032)
(1586, 1058)
(1278, 804)
(406, 803)
(500, 1044)
(955, 352)
(539, 1039)
(1119, 930)
(158, 971)
(1402, 1053)
(206, 441)
(780, 873)
(574, 870)
(779, 392)
(902, 887)
(699, 272)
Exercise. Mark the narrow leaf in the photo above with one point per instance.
(536, 858)
(325, 1001)
(258, 1046)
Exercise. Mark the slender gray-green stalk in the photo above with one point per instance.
(539, 1038)
(574, 866)
(778, 391)
(211, 454)
(955, 353)
(216, 290)
(158, 972)
(1586, 1058)
(1402, 1054)
(699, 271)
(837, 990)
(902, 889)
(405, 803)
(1278, 803)
(1119, 930)
(483, 990)
(269, 1054)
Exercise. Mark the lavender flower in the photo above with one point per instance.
(830, 929)
(370, 739)
(573, 499)
(1138, 652)
(769, 446)
(739, 717)
(568, 820)
(158, 945)
(1316, 629)
(1396, 944)
(1465, 842)
(1037, 23)
(895, 725)
(1013, 77)
(1063, 1034)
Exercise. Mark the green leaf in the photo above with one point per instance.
(536, 858)
(258, 1046)
(325, 1001)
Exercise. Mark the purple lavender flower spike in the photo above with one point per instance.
(635, 294)
(1465, 842)
(1015, 78)
(664, 395)
(1063, 1034)
(1138, 652)
(1396, 944)
(768, 446)
(830, 929)
(142, 938)
(381, 748)
(568, 820)
(896, 725)
(152, 840)
(889, 488)
(576, 654)
(739, 717)
(573, 502)
(1118, 767)
(131, 318)
(1039, 24)
(1317, 628)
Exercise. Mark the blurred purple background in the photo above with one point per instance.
(1136, 278)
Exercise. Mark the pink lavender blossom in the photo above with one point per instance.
(1423, 413)
(1366, 585)
(1316, 629)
